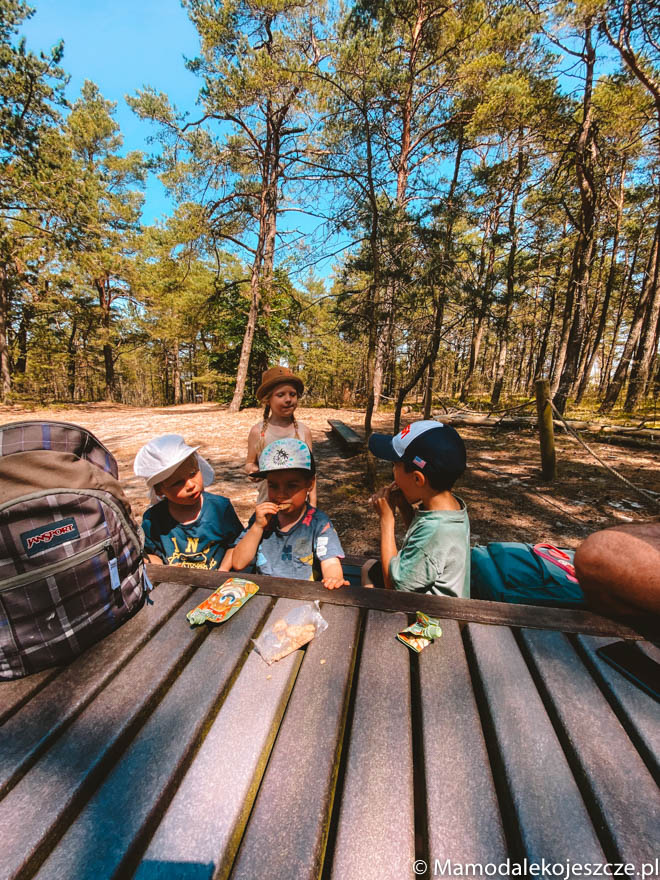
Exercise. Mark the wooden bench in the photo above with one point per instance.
(349, 438)
(176, 753)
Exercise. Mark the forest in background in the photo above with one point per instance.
(485, 175)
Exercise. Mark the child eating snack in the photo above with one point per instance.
(286, 536)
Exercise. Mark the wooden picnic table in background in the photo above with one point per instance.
(172, 752)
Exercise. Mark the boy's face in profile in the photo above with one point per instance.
(185, 485)
(289, 488)
(408, 481)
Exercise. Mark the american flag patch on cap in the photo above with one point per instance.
(419, 461)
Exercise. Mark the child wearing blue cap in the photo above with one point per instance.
(428, 457)
(286, 536)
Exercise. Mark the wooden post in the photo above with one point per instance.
(546, 429)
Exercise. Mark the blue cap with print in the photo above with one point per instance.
(287, 454)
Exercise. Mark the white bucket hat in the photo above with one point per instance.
(160, 457)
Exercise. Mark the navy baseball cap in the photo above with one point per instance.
(426, 445)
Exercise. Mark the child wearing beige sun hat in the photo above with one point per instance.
(280, 391)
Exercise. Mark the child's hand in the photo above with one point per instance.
(382, 502)
(396, 496)
(334, 583)
(263, 513)
(332, 575)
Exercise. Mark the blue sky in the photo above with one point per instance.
(122, 45)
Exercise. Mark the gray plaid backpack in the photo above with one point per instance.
(71, 567)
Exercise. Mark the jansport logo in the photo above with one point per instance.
(45, 537)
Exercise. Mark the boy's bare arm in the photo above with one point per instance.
(398, 500)
(387, 549)
(385, 507)
(155, 560)
(226, 563)
(245, 550)
(333, 574)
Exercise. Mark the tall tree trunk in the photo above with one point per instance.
(484, 282)
(539, 372)
(590, 324)
(27, 314)
(428, 391)
(626, 16)
(650, 382)
(641, 364)
(176, 372)
(582, 255)
(429, 358)
(609, 287)
(606, 378)
(102, 285)
(5, 373)
(383, 346)
(71, 360)
(510, 279)
(478, 327)
(264, 256)
(633, 336)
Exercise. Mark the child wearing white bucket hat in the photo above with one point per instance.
(187, 526)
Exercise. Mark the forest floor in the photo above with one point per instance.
(503, 489)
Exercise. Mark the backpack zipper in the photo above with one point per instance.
(28, 577)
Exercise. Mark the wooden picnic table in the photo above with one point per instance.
(167, 751)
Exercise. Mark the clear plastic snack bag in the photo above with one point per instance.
(289, 633)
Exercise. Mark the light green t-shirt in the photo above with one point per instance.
(435, 555)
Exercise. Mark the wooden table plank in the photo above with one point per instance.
(544, 812)
(72, 766)
(445, 607)
(214, 800)
(299, 782)
(27, 733)
(14, 694)
(111, 828)
(638, 713)
(617, 783)
(463, 817)
(376, 825)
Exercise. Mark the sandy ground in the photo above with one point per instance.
(506, 497)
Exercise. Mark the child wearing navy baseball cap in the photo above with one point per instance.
(427, 457)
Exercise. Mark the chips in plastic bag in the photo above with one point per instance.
(224, 602)
(289, 633)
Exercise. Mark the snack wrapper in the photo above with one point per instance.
(290, 633)
(224, 602)
(421, 633)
